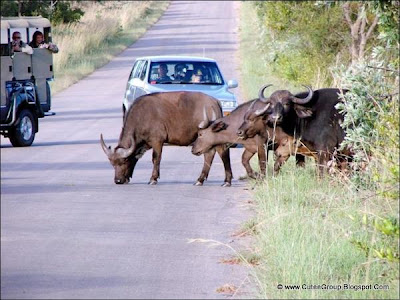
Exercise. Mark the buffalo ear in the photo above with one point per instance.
(303, 112)
(218, 126)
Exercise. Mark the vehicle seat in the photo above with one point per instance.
(188, 76)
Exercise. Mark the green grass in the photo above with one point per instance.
(311, 231)
(306, 233)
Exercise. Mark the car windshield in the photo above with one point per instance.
(185, 72)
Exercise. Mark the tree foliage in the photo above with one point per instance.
(58, 11)
(302, 38)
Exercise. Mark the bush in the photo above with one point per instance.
(302, 39)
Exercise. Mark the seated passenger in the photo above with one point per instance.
(180, 72)
(197, 76)
(19, 46)
(162, 73)
(38, 42)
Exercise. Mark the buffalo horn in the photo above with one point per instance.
(261, 111)
(251, 106)
(306, 99)
(203, 124)
(124, 153)
(213, 116)
(107, 150)
(261, 93)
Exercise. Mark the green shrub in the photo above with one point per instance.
(302, 39)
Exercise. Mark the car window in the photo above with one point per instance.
(185, 72)
(136, 69)
(143, 71)
(133, 69)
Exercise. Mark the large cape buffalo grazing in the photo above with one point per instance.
(155, 119)
(310, 117)
(223, 131)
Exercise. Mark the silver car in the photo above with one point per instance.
(152, 74)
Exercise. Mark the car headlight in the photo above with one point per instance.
(228, 104)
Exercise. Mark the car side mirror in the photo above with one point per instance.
(232, 84)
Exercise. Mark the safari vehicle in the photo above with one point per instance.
(179, 70)
(25, 92)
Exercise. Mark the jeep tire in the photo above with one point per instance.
(23, 134)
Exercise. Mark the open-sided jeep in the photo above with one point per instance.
(25, 92)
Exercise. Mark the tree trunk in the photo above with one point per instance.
(19, 8)
(359, 37)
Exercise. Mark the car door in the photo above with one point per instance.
(140, 80)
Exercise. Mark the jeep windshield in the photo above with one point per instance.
(185, 72)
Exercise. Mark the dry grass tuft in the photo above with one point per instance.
(229, 289)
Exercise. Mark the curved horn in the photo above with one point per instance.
(306, 99)
(124, 153)
(203, 124)
(213, 116)
(252, 105)
(107, 150)
(261, 93)
(261, 111)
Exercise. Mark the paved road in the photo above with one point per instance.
(67, 231)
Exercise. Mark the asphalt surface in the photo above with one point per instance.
(67, 231)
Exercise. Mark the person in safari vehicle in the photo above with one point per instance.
(38, 42)
(17, 45)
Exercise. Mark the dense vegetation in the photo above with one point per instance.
(57, 11)
(344, 228)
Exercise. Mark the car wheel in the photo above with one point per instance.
(23, 134)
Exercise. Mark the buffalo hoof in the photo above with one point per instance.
(261, 176)
(153, 182)
(226, 184)
(244, 177)
(198, 183)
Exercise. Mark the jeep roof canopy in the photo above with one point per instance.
(26, 26)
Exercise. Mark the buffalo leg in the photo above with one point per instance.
(157, 150)
(280, 160)
(262, 159)
(300, 160)
(226, 159)
(208, 159)
(246, 156)
(323, 157)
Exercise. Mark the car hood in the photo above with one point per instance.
(217, 91)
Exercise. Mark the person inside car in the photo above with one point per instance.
(180, 72)
(17, 45)
(38, 42)
(197, 75)
(162, 73)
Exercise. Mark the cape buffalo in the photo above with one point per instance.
(310, 117)
(168, 117)
(223, 131)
